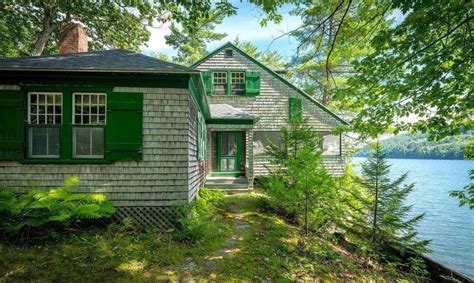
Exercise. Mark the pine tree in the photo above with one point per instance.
(299, 184)
(387, 214)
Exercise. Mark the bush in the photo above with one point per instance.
(299, 184)
(40, 209)
(198, 222)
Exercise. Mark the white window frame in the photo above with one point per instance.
(46, 124)
(74, 107)
(90, 144)
(220, 83)
(89, 125)
(232, 83)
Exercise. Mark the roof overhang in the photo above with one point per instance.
(138, 71)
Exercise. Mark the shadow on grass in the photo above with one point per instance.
(249, 245)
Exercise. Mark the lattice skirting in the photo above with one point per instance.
(162, 217)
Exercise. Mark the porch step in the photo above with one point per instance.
(232, 185)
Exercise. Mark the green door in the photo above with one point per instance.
(229, 151)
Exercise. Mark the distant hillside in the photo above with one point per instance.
(418, 147)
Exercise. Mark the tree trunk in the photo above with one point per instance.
(45, 33)
(374, 227)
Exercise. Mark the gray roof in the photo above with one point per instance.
(225, 111)
(117, 60)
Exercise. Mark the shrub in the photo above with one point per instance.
(199, 220)
(299, 184)
(59, 207)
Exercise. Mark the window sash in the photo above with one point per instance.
(219, 79)
(49, 107)
(86, 105)
(91, 144)
(45, 111)
(237, 83)
(48, 141)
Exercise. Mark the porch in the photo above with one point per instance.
(229, 149)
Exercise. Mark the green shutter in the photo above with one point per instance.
(201, 137)
(124, 131)
(295, 109)
(12, 115)
(252, 83)
(207, 78)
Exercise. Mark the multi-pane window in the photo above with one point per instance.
(44, 121)
(219, 80)
(237, 83)
(89, 118)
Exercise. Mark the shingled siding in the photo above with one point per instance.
(271, 106)
(160, 179)
(196, 168)
(334, 164)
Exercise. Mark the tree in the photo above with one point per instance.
(421, 66)
(32, 27)
(270, 58)
(332, 34)
(466, 196)
(299, 183)
(387, 215)
(194, 33)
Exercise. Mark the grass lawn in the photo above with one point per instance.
(248, 245)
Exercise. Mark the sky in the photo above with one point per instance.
(245, 25)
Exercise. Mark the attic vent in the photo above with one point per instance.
(229, 53)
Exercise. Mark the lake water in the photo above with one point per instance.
(450, 227)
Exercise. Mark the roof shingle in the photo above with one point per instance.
(117, 60)
(225, 111)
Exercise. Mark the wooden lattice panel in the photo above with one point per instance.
(162, 217)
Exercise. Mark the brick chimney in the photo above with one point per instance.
(72, 38)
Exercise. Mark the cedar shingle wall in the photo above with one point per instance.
(160, 179)
(271, 106)
(196, 167)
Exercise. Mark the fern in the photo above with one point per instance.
(41, 208)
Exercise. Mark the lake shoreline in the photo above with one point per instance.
(448, 226)
(410, 158)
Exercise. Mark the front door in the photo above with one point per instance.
(229, 149)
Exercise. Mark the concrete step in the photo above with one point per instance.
(229, 184)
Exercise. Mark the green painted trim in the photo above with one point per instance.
(230, 121)
(66, 127)
(229, 44)
(238, 153)
(65, 161)
(198, 94)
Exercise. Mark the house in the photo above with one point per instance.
(249, 103)
(145, 132)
